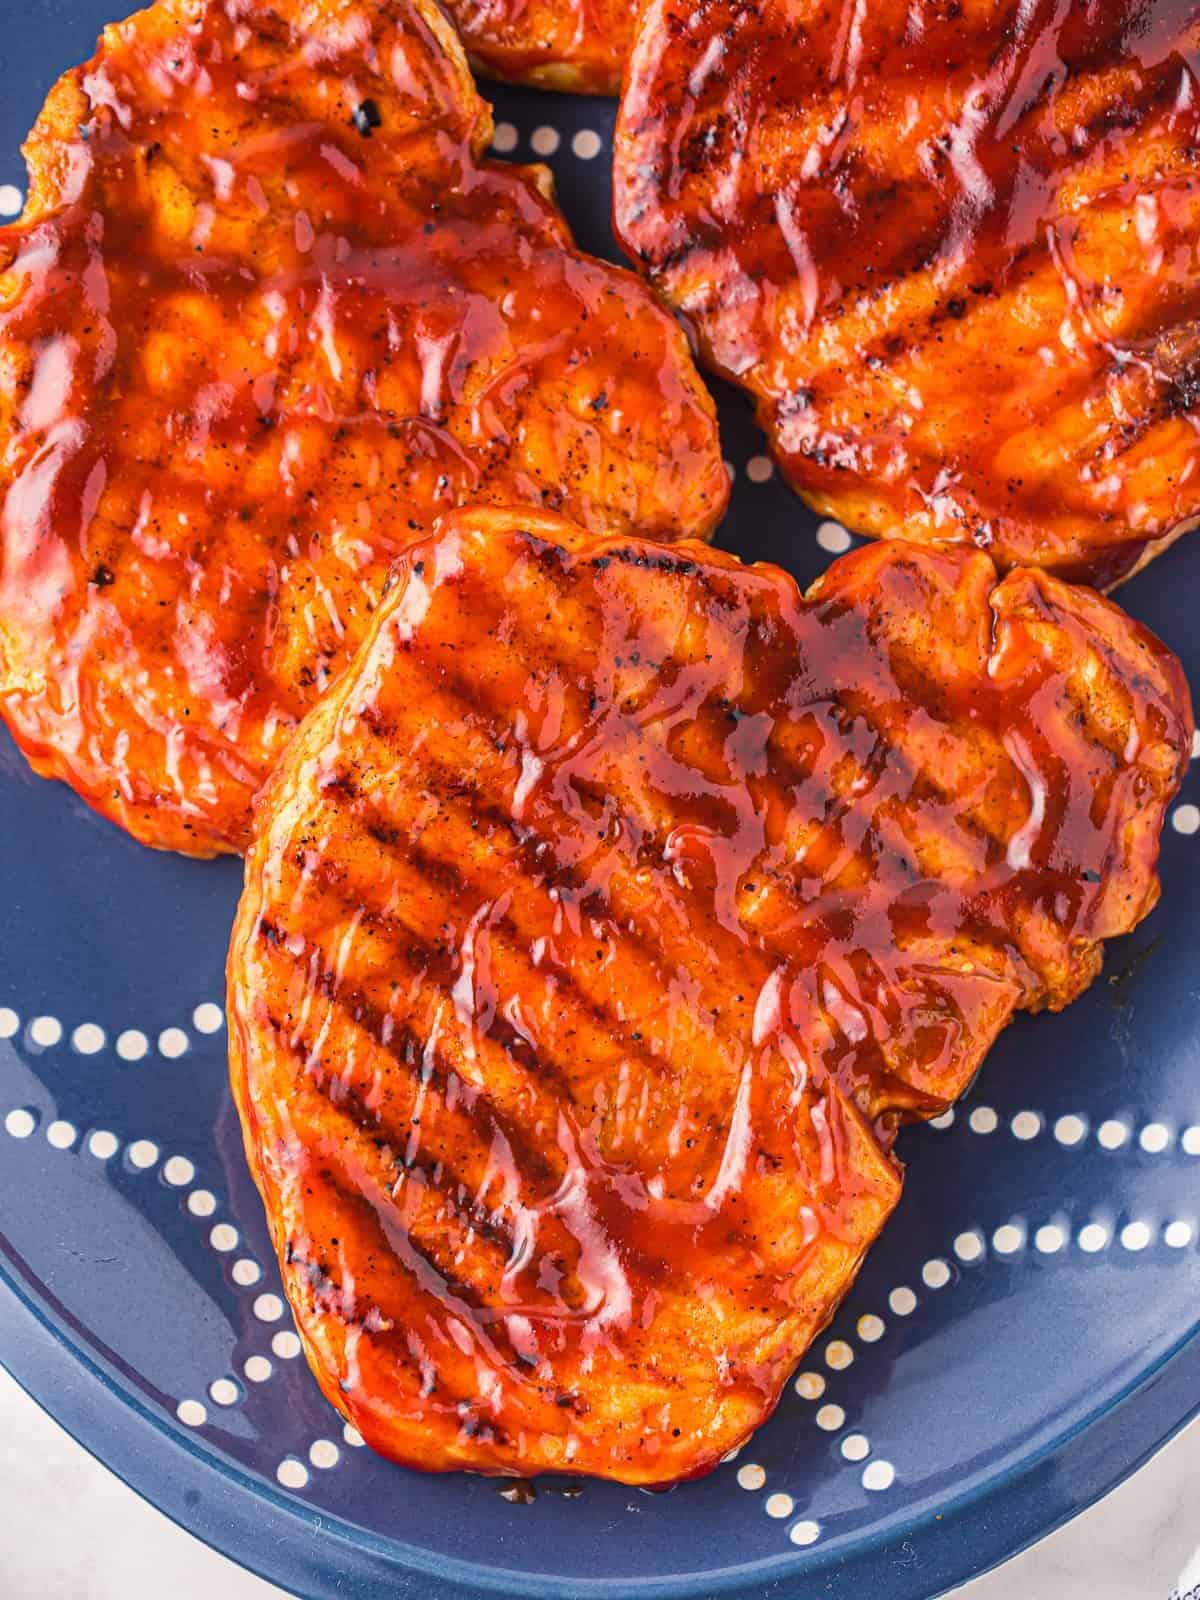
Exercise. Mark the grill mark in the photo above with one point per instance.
(406, 934)
(433, 1071)
(877, 352)
(1022, 941)
(553, 1237)
(317, 1284)
(458, 884)
(452, 1186)
(331, 1165)
(327, 1298)
(928, 694)
(409, 1029)
(844, 807)
(558, 874)
(991, 261)
(837, 811)
(709, 720)
(1152, 93)
(338, 1161)
(335, 1166)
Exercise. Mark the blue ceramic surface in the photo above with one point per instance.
(1022, 1336)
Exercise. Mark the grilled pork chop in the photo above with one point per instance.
(951, 252)
(268, 314)
(601, 924)
(577, 45)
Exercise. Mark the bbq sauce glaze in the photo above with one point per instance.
(603, 924)
(269, 313)
(949, 248)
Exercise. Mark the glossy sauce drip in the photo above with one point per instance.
(949, 248)
(268, 316)
(603, 925)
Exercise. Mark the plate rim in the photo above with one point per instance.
(225, 1507)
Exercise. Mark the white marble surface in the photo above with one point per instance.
(69, 1530)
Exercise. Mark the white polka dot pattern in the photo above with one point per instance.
(586, 144)
(1071, 1131)
(45, 1032)
(178, 1171)
(132, 1044)
(291, 1473)
(935, 1274)
(208, 1018)
(833, 538)
(1049, 1239)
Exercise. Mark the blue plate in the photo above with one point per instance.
(1023, 1336)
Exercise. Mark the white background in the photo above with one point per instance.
(69, 1530)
